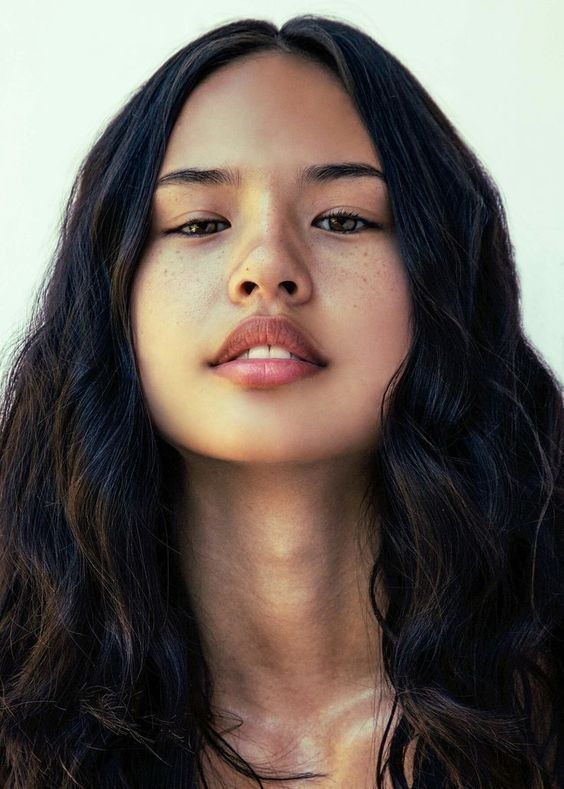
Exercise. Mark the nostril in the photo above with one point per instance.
(288, 284)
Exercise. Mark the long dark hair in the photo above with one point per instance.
(102, 677)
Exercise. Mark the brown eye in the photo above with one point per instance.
(343, 222)
(191, 227)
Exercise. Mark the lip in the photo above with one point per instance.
(266, 373)
(269, 330)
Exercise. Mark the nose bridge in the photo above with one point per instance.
(266, 207)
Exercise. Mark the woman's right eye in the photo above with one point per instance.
(188, 228)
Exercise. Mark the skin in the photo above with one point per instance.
(274, 547)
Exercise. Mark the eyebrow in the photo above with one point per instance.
(315, 173)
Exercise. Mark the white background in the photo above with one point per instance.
(496, 67)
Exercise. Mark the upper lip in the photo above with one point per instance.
(268, 330)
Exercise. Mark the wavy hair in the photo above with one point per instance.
(103, 680)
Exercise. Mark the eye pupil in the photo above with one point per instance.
(341, 221)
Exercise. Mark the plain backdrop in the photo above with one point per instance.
(495, 67)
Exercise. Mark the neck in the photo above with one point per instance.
(277, 561)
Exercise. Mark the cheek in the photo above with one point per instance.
(167, 301)
(379, 313)
(166, 310)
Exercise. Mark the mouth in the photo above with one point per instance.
(266, 337)
(267, 353)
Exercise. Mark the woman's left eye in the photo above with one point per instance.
(345, 219)
(348, 218)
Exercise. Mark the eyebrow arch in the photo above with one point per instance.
(315, 173)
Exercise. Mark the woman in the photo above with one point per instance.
(337, 566)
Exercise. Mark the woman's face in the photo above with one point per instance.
(269, 116)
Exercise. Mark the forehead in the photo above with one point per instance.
(268, 113)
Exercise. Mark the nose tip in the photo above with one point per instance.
(271, 260)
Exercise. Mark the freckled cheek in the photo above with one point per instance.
(380, 310)
(168, 305)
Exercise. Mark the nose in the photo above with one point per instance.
(274, 269)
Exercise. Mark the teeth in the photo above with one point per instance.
(259, 352)
(267, 352)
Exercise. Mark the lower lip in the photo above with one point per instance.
(264, 373)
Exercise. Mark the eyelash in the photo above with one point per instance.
(340, 214)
